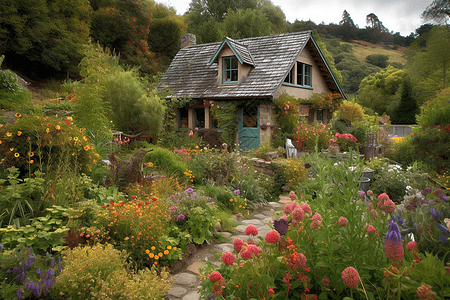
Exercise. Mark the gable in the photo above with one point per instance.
(194, 72)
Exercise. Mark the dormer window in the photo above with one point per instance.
(230, 70)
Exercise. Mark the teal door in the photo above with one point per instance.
(249, 127)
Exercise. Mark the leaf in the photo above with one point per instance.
(268, 279)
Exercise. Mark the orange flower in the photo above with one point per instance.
(19, 133)
(166, 252)
(86, 147)
(47, 130)
(0, 142)
(70, 138)
(58, 127)
(31, 161)
(30, 154)
(8, 134)
(11, 149)
(16, 154)
(85, 138)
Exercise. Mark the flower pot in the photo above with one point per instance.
(368, 173)
(364, 184)
(299, 145)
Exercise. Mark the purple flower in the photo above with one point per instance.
(442, 233)
(181, 217)
(53, 263)
(281, 226)
(237, 192)
(435, 214)
(38, 271)
(213, 203)
(393, 247)
(426, 191)
(307, 166)
(444, 198)
(1, 247)
(189, 191)
(20, 292)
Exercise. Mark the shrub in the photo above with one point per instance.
(88, 274)
(349, 111)
(166, 161)
(436, 111)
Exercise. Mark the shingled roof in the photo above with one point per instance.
(193, 71)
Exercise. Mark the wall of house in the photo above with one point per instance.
(242, 71)
(266, 117)
(318, 82)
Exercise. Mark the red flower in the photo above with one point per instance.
(237, 244)
(287, 209)
(371, 229)
(246, 254)
(251, 229)
(67, 122)
(306, 208)
(343, 221)
(298, 214)
(350, 277)
(271, 291)
(272, 237)
(215, 276)
(411, 246)
(254, 249)
(227, 258)
(424, 292)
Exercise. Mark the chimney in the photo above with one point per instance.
(188, 40)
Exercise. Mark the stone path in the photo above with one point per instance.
(187, 280)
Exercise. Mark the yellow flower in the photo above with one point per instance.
(31, 161)
(160, 254)
(147, 251)
(18, 115)
(19, 133)
(8, 134)
(85, 138)
(16, 154)
(30, 154)
(11, 149)
(151, 255)
(150, 164)
(156, 257)
(75, 139)
(47, 130)
(86, 147)
(153, 248)
(166, 252)
(70, 118)
(58, 127)
(169, 247)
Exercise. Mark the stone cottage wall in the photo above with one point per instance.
(267, 121)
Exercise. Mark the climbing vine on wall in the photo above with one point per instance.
(226, 113)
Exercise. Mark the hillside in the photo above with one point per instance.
(362, 49)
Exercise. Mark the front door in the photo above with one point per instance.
(249, 127)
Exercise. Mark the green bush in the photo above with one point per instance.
(436, 111)
(220, 194)
(166, 161)
(88, 275)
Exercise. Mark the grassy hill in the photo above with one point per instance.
(362, 49)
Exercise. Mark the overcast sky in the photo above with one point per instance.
(397, 15)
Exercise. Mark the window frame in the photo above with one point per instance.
(231, 69)
(304, 73)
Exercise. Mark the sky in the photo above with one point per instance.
(402, 16)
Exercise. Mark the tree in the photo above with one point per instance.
(436, 111)
(429, 65)
(217, 9)
(44, 38)
(346, 20)
(379, 60)
(406, 111)
(353, 72)
(439, 11)
(380, 92)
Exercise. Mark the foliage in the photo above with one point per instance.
(12, 94)
(406, 111)
(132, 110)
(437, 11)
(345, 141)
(87, 274)
(380, 92)
(27, 275)
(349, 111)
(328, 57)
(393, 179)
(379, 60)
(330, 101)
(226, 113)
(43, 233)
(44, 39)
(313, 135)
(436, 111)
(290, 172)
(47, 144)
(286, 117)
(168, 162)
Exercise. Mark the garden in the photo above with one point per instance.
(88, 215)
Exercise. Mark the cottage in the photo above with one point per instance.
(254, 71)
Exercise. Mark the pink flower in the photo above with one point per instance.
(272, 237)
(424, 292)
(287, 209)
(343, 221)
(191, 133)
(292, 195)
(389, 206)
(215, 276)
(246, 254)
(298, 214)
(382, 196)
(350, 277)
(306, 208)
(251, 229)
(227, 258)
(254, 249)
(237, 244)
(371, 229)
(317, 217)
(411, 246)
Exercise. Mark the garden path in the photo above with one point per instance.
(187, 280)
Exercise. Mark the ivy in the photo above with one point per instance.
(226, 113)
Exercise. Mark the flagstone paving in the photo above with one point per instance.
(187, 280)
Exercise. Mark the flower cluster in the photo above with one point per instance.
(344, 141)
(156, 254)
(350, 277)
(393, 243)
(385, 203)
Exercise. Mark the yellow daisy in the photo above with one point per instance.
(16, 154)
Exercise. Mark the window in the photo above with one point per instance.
(290, 76)
(319, 115)
(199, 118)
(304, 72)
(230, 69)
(183, 118)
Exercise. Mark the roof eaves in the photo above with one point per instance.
(229, 44)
